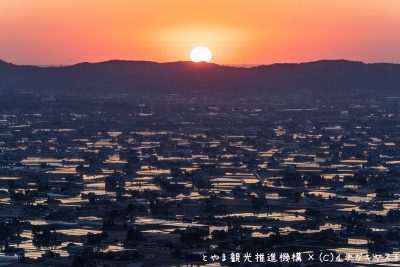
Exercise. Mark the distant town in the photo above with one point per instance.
(173, 179)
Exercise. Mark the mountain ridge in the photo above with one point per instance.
(126, 76)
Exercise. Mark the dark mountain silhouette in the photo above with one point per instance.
(177, 77)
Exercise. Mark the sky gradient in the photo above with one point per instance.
(47, 32)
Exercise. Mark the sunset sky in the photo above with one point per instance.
(45, 32)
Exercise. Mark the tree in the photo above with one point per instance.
(96, 238)
(194, 235)
(134, 234)
(293, 179)
(79, 262)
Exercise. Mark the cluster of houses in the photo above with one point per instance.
(166, 180)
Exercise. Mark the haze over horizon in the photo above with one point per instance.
(238, 65)
(237, 32)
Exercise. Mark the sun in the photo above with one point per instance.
(200, 54)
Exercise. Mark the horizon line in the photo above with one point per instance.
(238, 65)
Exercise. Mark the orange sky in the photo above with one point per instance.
(246, 31)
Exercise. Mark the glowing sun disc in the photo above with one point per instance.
(200, 54)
